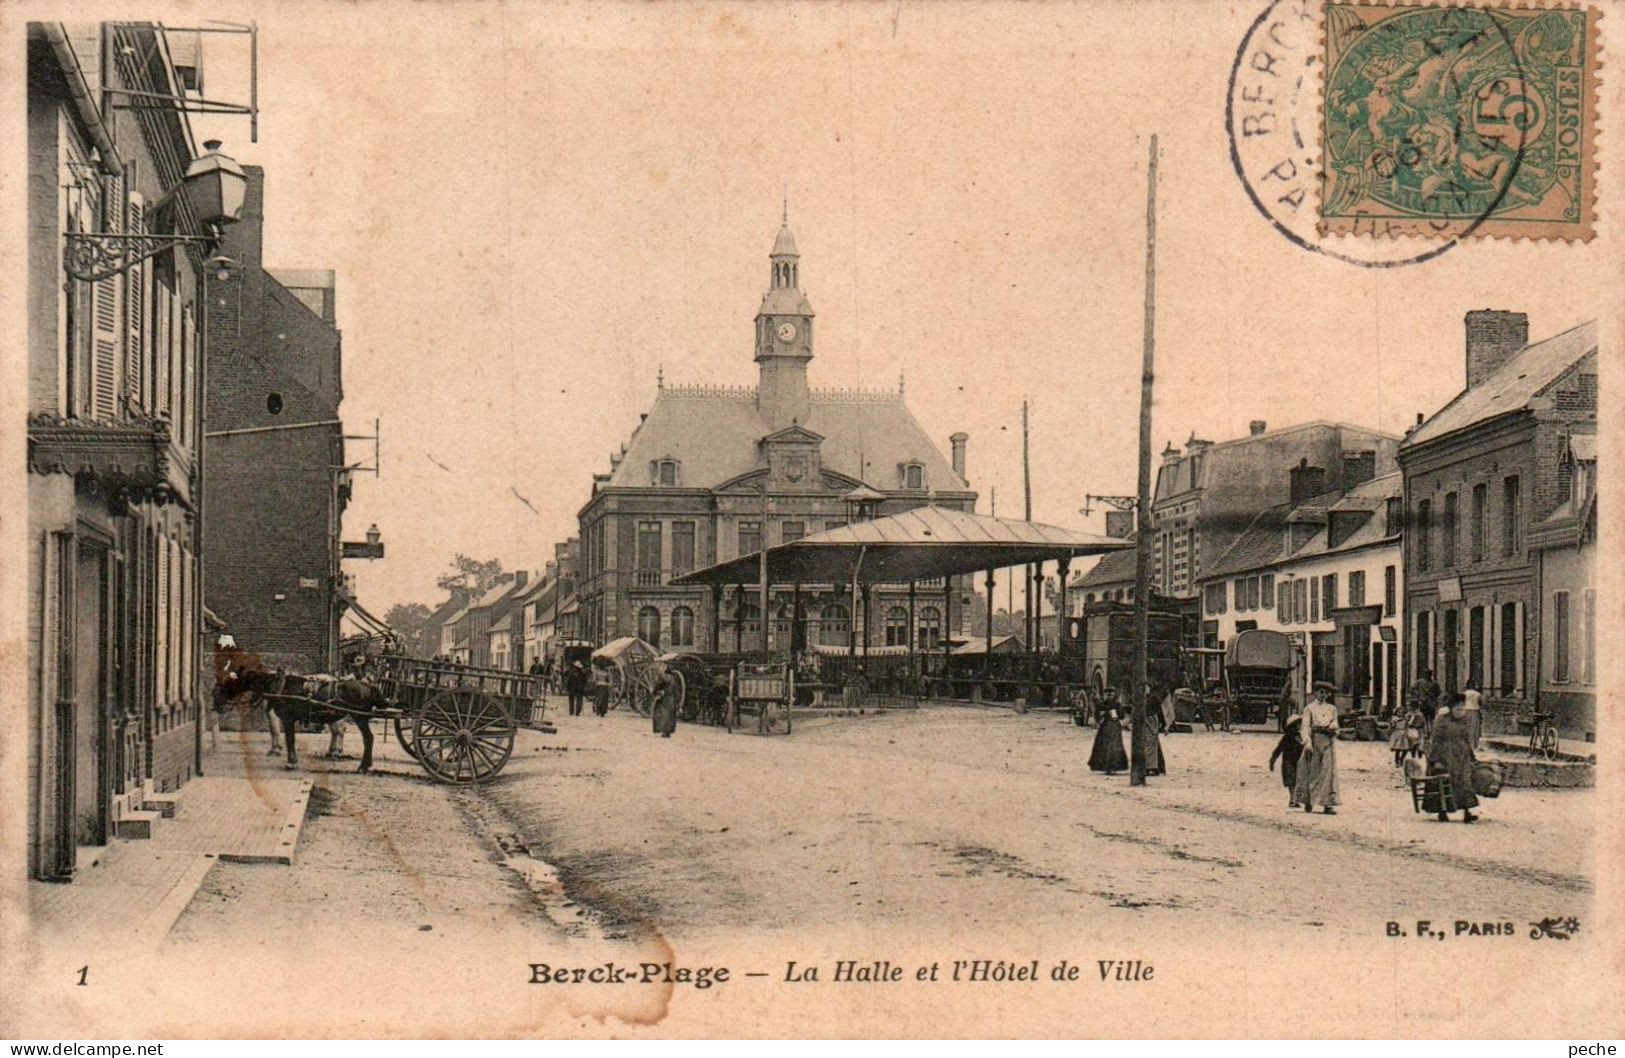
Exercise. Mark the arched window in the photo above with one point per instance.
(682, 627)
(834, 625)
(749, 615)
(1088, 598)
(897, 627)
(913, 476)
(649, 625)
(930, 629)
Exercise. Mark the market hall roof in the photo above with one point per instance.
(918, 544)
(1512, 386)
(712, 432)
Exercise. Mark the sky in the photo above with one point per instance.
(532, 209)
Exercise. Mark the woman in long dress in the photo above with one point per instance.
(664, 710)
(1317, 767)
(1108, 754)
(1451, 753)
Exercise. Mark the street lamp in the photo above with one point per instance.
(214, 186)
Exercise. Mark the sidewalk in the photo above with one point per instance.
(136, 889)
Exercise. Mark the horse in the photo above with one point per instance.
(293, 698)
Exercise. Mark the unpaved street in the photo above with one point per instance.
(887, 821)
(994, 818)
(950, 833)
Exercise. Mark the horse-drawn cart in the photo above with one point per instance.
(458, 721)
(626, 670)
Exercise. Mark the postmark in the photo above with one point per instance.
(1272, 124)
(1458, 122)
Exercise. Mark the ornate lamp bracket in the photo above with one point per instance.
(91, 256)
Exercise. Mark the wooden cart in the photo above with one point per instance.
(458, 721)
(764, 690)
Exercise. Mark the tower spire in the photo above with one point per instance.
(786, 205)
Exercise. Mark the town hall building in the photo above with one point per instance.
(715, 472)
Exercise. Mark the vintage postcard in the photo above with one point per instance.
(544, 519)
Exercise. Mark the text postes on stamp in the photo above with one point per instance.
(1458, 122)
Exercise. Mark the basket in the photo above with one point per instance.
(1487, 779)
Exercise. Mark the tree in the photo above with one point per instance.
(410, 620)
(469, 578)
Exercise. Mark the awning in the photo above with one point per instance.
(630, 647)
(920, 544)
(358, 613)
(1006, 644)
(1584, 447)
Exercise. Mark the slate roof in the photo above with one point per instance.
(493, 595)
(1512, 386)
(713, 433)
(1372, 495)
(1260, 543)
(444, 612)
(504, 625)
(1111, 569)
(1267, 541)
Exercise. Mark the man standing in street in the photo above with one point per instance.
(1472, 704)
(575, 685)
(1426, 695)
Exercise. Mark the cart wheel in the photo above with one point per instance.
(403, 734)
(463, 736)
(640, 695)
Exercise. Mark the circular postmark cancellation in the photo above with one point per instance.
(1357, 127)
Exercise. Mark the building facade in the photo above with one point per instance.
(714, 472)
(115, 370)
(1325, 568)
(1565, 552)
(1207, 494)
(1481, 476)
(275, 444)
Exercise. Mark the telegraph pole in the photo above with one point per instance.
(1029, 621)
(1140, 742)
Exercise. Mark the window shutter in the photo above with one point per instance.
(107, 321)
(185, 369)
(135, 301)
(162, 622)
(161, 354)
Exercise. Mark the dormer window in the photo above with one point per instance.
(663, 471)
(913, 475)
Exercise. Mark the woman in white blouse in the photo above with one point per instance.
(1317, 768)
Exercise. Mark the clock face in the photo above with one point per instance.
(786, 332)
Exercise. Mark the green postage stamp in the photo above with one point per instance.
(1458, 121)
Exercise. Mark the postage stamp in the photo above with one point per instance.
(1459, 122)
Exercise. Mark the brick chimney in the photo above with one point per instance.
(958, 442)
(1307, 481)
(1358, 467)
(1119, 524)
(520, 576)
(1493, 335)
(1256, 428)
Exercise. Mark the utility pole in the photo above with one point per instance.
(1140, 742)
(1029, 620)
(761, 567)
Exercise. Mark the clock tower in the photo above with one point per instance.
(784, 338)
